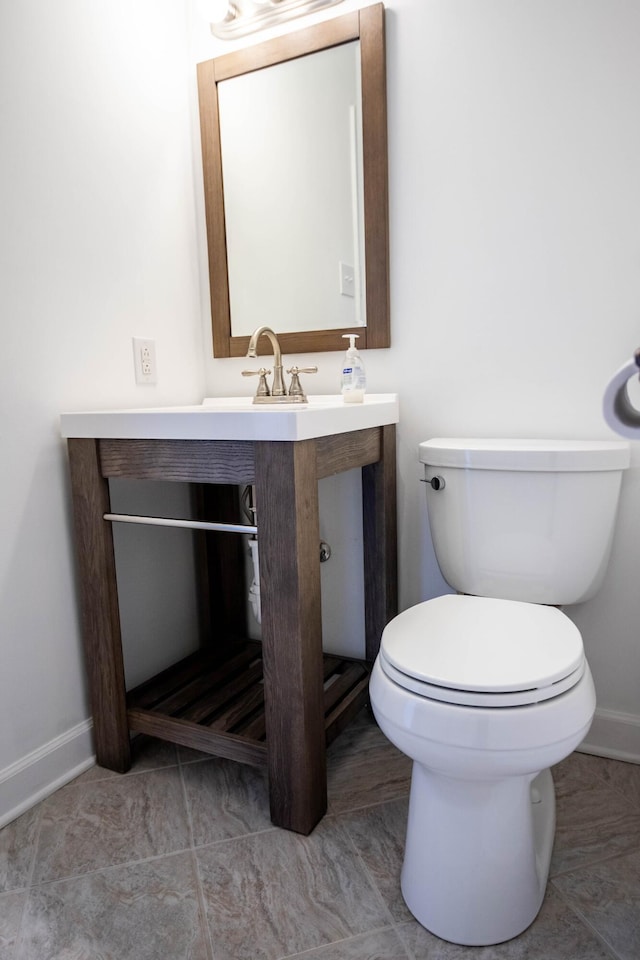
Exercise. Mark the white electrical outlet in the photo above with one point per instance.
(144, 359)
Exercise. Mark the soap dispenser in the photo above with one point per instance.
(354, 379)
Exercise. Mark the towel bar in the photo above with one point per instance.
(188, 524)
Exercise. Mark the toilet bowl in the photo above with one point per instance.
(478, 848)
(485, 693)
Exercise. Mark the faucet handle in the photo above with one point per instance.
(295, 387)
(263, 387)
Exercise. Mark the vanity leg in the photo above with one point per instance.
(288, 534)
(99, 603)
(220, 559)
(379, 521)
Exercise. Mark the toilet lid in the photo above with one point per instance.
(482, 651)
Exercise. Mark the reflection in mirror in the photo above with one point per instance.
(291, 138)
(295, 172)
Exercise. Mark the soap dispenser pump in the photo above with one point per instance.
(354, 379)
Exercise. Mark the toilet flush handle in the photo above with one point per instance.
(437, 483)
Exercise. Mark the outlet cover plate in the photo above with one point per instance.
(144, 360)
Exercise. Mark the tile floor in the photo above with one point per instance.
(178, 860)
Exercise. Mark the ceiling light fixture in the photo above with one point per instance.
(237, 18)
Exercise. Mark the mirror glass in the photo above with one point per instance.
(295, 172)
(291, 140)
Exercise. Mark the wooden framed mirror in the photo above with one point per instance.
(237, 218)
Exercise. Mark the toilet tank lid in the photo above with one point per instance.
(510, 454)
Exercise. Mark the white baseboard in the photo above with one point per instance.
(45, 770)
(615, 735)
(24, 783)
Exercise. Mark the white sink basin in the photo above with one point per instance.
(236, 418)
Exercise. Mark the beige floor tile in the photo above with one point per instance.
(225, 799)
(580, 765)
(593, 820)
(378, 834)
(623, 777)
(11, 909)
(189, 755)
(92, 825)
(607, 894)
(271, 894)
(17, 849)
(380, 945)
(145, 911)
(556, 934)
(363, 767)
(276, 894)
(146, 754)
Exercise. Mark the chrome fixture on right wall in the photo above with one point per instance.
(621, 401)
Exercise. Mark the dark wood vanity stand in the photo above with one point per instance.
(276, 704)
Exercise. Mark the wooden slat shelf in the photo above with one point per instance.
(217, 706)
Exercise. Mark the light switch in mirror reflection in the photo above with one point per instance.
(291, 142)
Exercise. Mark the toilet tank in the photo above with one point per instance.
(525, 520)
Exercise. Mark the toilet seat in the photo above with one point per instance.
(483, 652)
(469, 698)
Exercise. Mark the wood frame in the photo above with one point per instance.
(366, 25)
(278, 704)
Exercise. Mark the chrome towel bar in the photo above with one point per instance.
(188, 524)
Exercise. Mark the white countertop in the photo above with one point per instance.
(235, 418)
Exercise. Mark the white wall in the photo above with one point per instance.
(515, 290)
(97, 245)
(514, 150)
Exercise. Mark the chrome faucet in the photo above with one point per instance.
(278, 388)
(278, 392)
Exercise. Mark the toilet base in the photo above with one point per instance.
(477, 854)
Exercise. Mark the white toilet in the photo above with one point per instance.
(486, 689)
